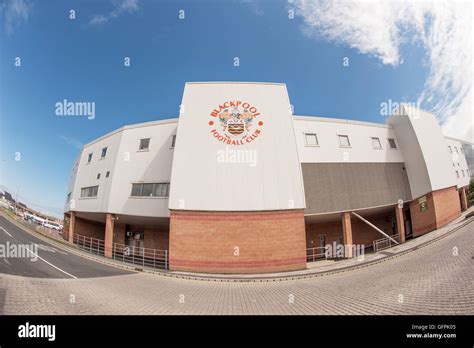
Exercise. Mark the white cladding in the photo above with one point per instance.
(360, 134)
(205, 176)
(262, 174)
(425, 151)
(459, 164)
(126, 165)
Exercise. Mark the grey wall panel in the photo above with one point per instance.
(333, 187)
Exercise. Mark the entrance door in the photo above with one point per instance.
(408, 230)
(322, 246)
(136, 242)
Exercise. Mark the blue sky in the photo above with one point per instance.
(82, 60)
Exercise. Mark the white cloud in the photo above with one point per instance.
(120, 7)
(71, 141)
(380, 28)
(15, 12)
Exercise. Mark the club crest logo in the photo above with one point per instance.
(235, 123)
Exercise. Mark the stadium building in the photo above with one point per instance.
(238, 184)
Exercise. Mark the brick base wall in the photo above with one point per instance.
(237, 242)
(119, 233)
(89, 228)
(156, 239)
(443, 207)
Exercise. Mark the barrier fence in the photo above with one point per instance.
(145, 257)
(316, 254)
(385, 243)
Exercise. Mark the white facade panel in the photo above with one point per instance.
(424, 149)
(87, 174)
(459, 164)
(138, 166)
(260, 170)
(249, 158)
(360, 136)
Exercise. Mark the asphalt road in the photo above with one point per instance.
(49, 261)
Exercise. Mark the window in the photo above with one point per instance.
(147, 190)
(173, 141)
(376, 143)
(98, 176)
(311, 139)
(90, 191)
(456, 149)
(162, 190)
(463, 174)
(107, 174)
(144, 144)
(450, 149)
(104, 152)
(151, 190)
(136, 190)
(344, 141)
(457, 174)
(89, 158)
(392, 144)
(462, 151)
(68, 197)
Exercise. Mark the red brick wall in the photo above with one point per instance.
(66, 220)
(443, 207)
(361, 232)
(156, 239)
(89, 228)
(447, 206)
(268, 241)
(119, 233)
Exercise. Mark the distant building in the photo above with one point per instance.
(8, 196)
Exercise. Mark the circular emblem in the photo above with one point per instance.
(234, 123)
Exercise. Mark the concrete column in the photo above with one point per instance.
(400, 224)
(347, 233)
(463, 198)
(72, 226)
(109, 235)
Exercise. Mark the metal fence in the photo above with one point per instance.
(385, 243)
(145, 257)
(316, 254)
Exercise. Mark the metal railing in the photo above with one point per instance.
(315, 254)
(145, 257)
(140, 256)
(385, 243)
(91, 245)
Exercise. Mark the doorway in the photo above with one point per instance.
(135, 241)
(408, 227)
(322, 246)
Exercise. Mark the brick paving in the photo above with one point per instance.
(430, 280)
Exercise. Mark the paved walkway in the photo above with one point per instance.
(434, 279)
